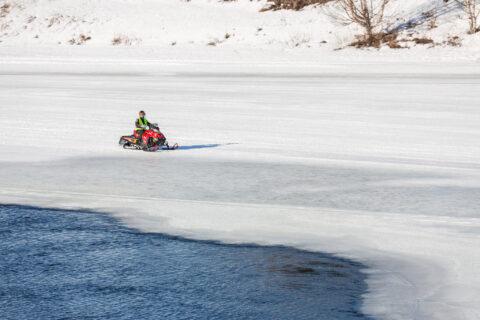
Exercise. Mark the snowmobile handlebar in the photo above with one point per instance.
(153, 127)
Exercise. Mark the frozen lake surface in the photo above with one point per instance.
(59, 264)
(378, 164)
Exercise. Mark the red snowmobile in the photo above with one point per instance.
(152, 140)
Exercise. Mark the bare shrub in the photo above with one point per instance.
(368, 14)
(470, 8)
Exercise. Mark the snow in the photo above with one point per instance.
(380, 167)
(169, 29)
(367, 154)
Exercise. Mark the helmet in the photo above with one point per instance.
(141, 113)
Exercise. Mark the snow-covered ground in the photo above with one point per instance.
(369, 154)
(214, 30)
(382, 165)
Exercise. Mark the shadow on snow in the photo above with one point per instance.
(203, 146)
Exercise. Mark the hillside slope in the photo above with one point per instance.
(212, 26)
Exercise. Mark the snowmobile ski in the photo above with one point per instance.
(167, 147)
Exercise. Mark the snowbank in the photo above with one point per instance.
(165, 29)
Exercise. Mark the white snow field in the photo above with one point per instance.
(374, 163)
(213, 29)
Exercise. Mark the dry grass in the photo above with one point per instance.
(291, 4)
(422, 41)
(81, 39)
(391, 40)
(125, 40)
(454, 41)
(216, 41)
(377, 41)
(54, 20)
(4, 10)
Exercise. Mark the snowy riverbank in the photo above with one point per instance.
(232, 30)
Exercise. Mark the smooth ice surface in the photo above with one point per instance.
(381, 165)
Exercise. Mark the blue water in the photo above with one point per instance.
(57, 264)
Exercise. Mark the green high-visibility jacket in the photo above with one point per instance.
(140, 123)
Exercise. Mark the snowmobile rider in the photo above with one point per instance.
(142, 124)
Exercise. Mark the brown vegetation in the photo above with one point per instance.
(391, 40)
(116, 41)
(4, 10)
(422, 41)
(454, 41)
(376, 40)
(54, 20)
(368, 14)
(124, 40)
(216, 41)
(291, 4)
(81, 39)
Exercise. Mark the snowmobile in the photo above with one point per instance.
(152, 140)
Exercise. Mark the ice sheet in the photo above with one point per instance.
(379, 167)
